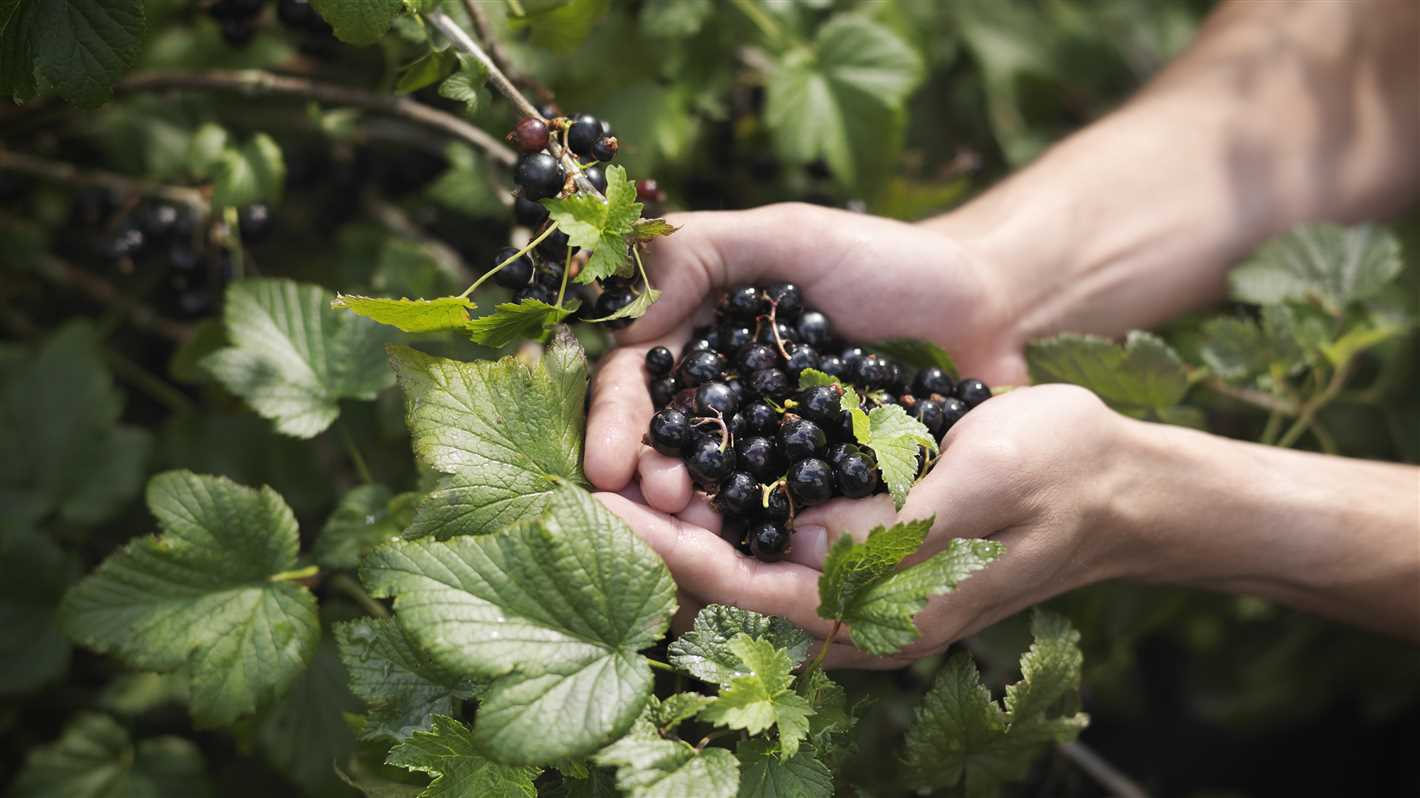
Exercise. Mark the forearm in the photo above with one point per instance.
(1281, 112)
(1331, 535)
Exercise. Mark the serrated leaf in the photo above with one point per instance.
(402, 685)
(426, 70)
(704, 651)
(467, 84)
(960, 737)
(894, 437)
(600, 227)
(359, 523)
(634, 309)
(17, 62)
(450, 755)
(813, 378)
(208, 596)
(1144, 374)
(1334, 265)
(832, 720)
(835, 100)
(851, 568)
(503, 431)
(95, 758)
(466, 186)
(762, 698)
(675, 18)
(83, 47)
(253, 172)
(880, 619)
(359, 22)
(561, 25)
(410, 315)
(293, 357)
(649, 229)
(551, 612)
(510, 322)
(666, 714)
(765, 775)
(1234, 348)
(916, 353)
(1050, 669)
(304, 732)
(33, 652)
(650, 767)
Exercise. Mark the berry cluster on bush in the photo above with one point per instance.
(731, 409)
(239, 19)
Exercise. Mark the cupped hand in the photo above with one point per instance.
(1036, 469)
(875, 278)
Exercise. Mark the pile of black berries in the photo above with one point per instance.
(732, 411)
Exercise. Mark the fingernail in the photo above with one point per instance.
(811, 544)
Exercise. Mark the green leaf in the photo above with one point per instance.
(61, 448)
(813, 378)
(649, 229)
(880, 616)
(504, 431)
(427, 70)
(601, 227)
(254, 172)
(467, 85)
(764, 697)
(835, 100)
(677, 708)
(675, 18)
(960, 737)
(293, 357)
(634, 309)
(832, 718)
(303, 733)
(1324, 262)
(551, 612)
(1143, 375)
(33, 652)
(510, 322)
(466, 186)
(82, 47)
(563, 24)
(360, 522)
(204, 150)
(851, 568)
(704, 651)
(765, 775)
(1234, 348)
(917, 353)
(450, 755)
(894, 437)
(17, 62)
(359, 22)
(410, 315)
(95, 758)
(209, 596)
(650, 767)
(402, 685)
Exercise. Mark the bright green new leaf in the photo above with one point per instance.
(813, 378)
(95, 758)
(601, 227)
(551, 612)
(511, 322)
(764, 697)
(894, 437)
(650, 767)
(402, 685)
(1050, 669)
(359, 22)
(293, 357)
(83, 47)
(449, 754)
(467, 85)
(763, 774)
(362, 521)
(1325, 262)
(466, 186)
(1144, 375)
(253, 172)
(704, 651)
(33, 652)
(211, 596)
(650, 229)
(851, 568)
(634, 309)
(832, 720)
(304, 732)
(503, 431)
(410, 315)
(676, 709)
(427, 70)
(917, 354)
(1234, 348)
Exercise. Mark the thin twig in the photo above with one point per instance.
(69, 174)
(484, 32)
(66, 275)
(256, 82)
(394, 217)
(1251, 396)
(1315, 404)
(1108, 776)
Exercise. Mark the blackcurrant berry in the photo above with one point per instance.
(769, 542)
(754, 357)
(516, 274)
(662, 391)
(932, 380)
(811, 481)
(610, 302)
(294, 13)
(549, 110)
(255, 221)
(648, 190)
(838, 451)
(541, 293)
(708, 463)
(786, 299)
(715, 399)
(821, 404)
(615, 283)
(125, 242)
(683, 400)
(771, 384)
(554, 247)
(932, 415)
(787, 335)
(873, 371)
(605, 149)
(739, 494)
(585, 132)
(760, 457)
(732, 529)
(699, 344)
(743, 303)
(528, 213)
(852, 356)
(777, 508)
(856, 475)
(163, 220)
(734, 337)
(597, 177)
(550, 274)
(669, 433)
(760, 418)
(238, 32)
(952, 410)
(801, 356)
(800, 438)
(972, 391)
(529, 135)
(701, 366)
(659, 361)
(814, 329)
(833, 366)
(539, 175)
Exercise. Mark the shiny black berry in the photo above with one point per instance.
(760, 457)
(733, 529)
(777, 508)
(743, 303)
(669, 433)
(769, 542)
(821, 404)
(754, 357)
(528, 213)
(771, 384)
(662, 391)
(833, 366)
(610, 302)
(715, 399)
(739, 494)
(932, 380)
(873, 371)
(800, 438)
(516, 274)
(760, 418)
(585, 132)
(765, 335)
(856, 475)
(786, 299)
(659, 361)
(708, 463)
(606, 148)
(952, 410)
(541, 293)
(814, 329)
(811, 481)
(801, 356)
(734, 337)
(550, 274)
(597, 177)
(256, 222)
(838, 451)
(554, 247)
(539, 175)
(529, 135)
(973, 392)
(852, 356)
(162, 221)
(701, 366)
(932, 415)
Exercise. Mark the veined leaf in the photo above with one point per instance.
(600, 227)
(83, 47)
(253, 172)
(410, 315)
(650, 767)
(763, 774)
(762, 698)
(1335, 265)
(704, 651)
(361, 521)
(404, 688)
(851, 568)
(510, 322)
(1144, 375)
(359, 22)
(448, 753)
(95, 758)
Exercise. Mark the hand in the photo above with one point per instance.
(875, 279)
(1037, 469)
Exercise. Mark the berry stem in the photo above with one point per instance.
(712, 736)
(566, 271)
(719, 421)
(520, 253)
(658, 665)
(295, 575)
(68, 174)
(822, 650)
(766, 24)
(641, 267)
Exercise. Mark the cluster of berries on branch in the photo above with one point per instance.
(239, 19)
(732, 411)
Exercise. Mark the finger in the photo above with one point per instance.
(632, 492)
(620, 410)
(664, 481)
(702, 514)
(843, 655)
(687, 607)
(816, 528)
(709, 568)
